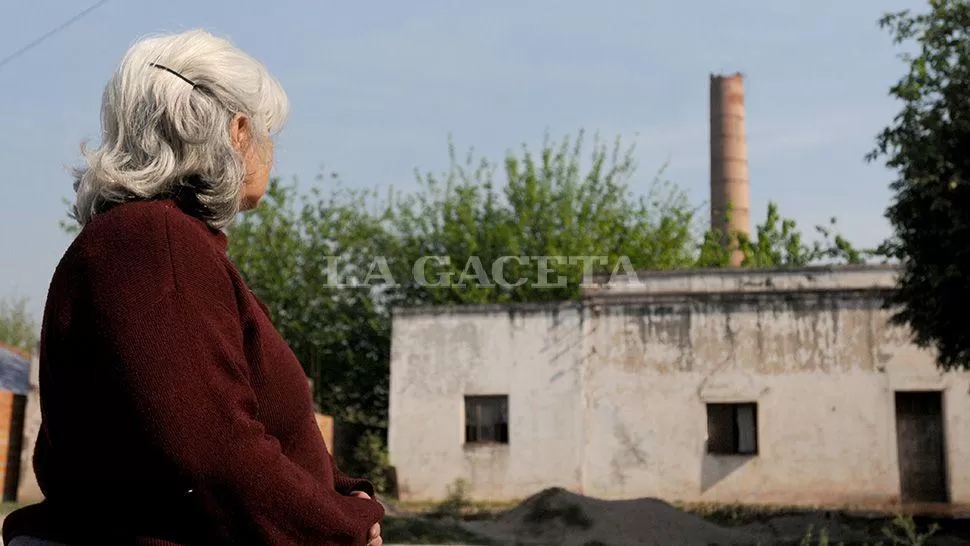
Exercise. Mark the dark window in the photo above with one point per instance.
(486, 419)
(732, 429)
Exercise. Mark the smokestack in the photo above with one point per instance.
(729, 160)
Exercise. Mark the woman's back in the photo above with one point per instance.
(173, 412)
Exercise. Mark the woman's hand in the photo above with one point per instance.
(375, 531)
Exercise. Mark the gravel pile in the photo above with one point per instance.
(556, 516)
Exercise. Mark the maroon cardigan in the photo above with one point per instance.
(173, 411)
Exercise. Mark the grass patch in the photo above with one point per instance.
(457, 506)
(732, 515)
(427, 507)
(891, 531)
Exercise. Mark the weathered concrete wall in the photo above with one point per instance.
(533, 355)
(823, 374)
(813, 348)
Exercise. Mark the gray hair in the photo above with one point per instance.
(165, 118)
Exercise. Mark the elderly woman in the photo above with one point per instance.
(173, 411)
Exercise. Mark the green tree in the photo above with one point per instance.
(926, 145)
(341, 334)
(546, 204)
(69, 224)
(777, 242)
(17, 326)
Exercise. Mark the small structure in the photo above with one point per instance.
(14, 371)
(755, 386)
(325, 423)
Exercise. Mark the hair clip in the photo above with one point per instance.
(167, 69)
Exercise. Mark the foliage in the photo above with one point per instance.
(926, 146)
(823, 537)
(370, 458)
(456, 501)
(69, 225)
(908, 534)
(341, 334)
(902, 531)
(777, 242)
(17, 326)
(549, 205)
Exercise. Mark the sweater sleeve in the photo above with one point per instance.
(346, 485)
(176, 354)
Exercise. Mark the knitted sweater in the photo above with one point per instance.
(173, 412)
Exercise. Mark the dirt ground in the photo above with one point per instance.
(558, 517)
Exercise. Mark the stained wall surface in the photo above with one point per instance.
(609, 396)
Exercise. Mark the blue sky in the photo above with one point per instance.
(377, 87)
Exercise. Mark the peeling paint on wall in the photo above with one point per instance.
(774, 338)
(609, 397)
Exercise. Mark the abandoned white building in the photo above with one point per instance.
(757, 386)
(772, 386)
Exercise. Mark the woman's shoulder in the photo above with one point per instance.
(145, 242)
(148, 226)
(145, 220)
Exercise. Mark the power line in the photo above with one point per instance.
(68, 23)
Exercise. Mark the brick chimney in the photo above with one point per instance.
(729, 160)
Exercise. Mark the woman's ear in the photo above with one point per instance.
(240, 132)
